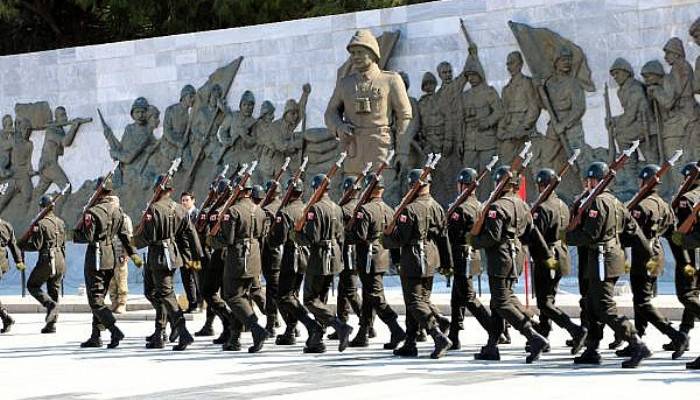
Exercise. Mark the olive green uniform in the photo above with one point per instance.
(348, 296)
(7, 240)
(688, 288)
(271, 264)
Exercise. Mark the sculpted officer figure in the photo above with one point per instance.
(7, 240)
(467, 261)
(48, 238)
(421, 234)
(101, 224)
(362, 104)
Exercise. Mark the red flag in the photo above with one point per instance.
(522, 192)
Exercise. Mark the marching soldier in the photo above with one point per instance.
(551, 218)
(421, 234)
(467, 261)
(323, 233)
(172, 243)
(655, 218)
(507, 228)
(601, 232)
(7, 240)
(372, 263)
(48, 238)
(242, 228)
(271, 263)
(101, 223)
(293, 265)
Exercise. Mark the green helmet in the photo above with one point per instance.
(370, 177)
(545, 176)
(162, 181)
(258, 192)
(689, 169)
(269, 184)
(597, 170)
(349, 183)
(223, 185)
(297, 185)
(45, 200)
(467, 176)
(414, 176)
(317, 180)
(140, 103)
(649, 171)
(248, 184)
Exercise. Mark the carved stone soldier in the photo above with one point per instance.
(236, 133)
(363, 103)
(22, 171)
(432, 117)
(695, 33)
(175, 126)
(521, 106)
(449, 99)
(482, 110)
(412, 137)
(202, 128)
(6, 139)
(133, 149)
(279, 140)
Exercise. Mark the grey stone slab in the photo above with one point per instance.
(655, 17)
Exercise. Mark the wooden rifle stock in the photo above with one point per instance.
(350, 193)
(275, 184)
(464, 194)
(319, 192)
(157, 194)
(555, 183)
(232, 199)
(650, 184)
(42, 213)
(685, 187)
(367, 193)
(288, 194)
(97, 194)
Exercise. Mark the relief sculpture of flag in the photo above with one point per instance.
(539, 46)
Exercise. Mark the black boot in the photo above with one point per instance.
(422, 336)
(454, 337)
(695, 364)
(287, 338)
(639, 352)
(94, 340)
(7, 321)
(344, 331)
(371, 333)
(443, 323)
(158, 332)
(488, 353)
(157, 341)
(174, 334)
(50, 327)
(117, 336)
(223, 337)
(184, 337)
(578, 339)
(51, 312)
(671, 346)
(615, 343)
(680, 340)
(625, 352)
(408, 349)
(361, 339)
(233, 343)
(442, 344)
(589, 357)
(314, 344)
(537, 344)
(398, 335)
(259, 335)
(270, 325)
(207, 330)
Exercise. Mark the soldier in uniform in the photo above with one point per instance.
(604, 229)
(362, 104)
(242, 228)
(135, 145)
(482, 109)
(432, 119)
(467, 261)
(101, 223)
(7, 240)
(551, 218)
(292, 266)
(271, 262)
(172, 243)
(421, 234)
(7, 136)
(176, 125)
(206, 122)
(236, 133)
(687, 280)
(507, 228)
(22, 170)
(655, 218)
(48, 238)
(323, 233)
(372, 263)
(682, 98)
(521, 106)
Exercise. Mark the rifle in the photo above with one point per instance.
(412, 193)
(685, 187)
(199, 225)
(552, 186)
(54, 124)
(470, 43)
(350, 193)
(612, 144)
(95, 196)
(157, 194)
(689, 222)
(367, 193)
(112, 140)
(618, 164)
(652, 183)
(319, 192)
(288, 194)
(659, 129)
(42, 213)
(519, 163)
(232, 199)
(275, 184)
(464, 194)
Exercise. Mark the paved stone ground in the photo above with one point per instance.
(35, 366)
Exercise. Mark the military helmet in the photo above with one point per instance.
(649, 171)
(141, 103)
(317, 180)
(247, 97)
(473, 66)
(223, 185)
(545, 176)
(187, 90)
(267, 107)
(694, 27)
(653, 67)
(428, 77)
(164, 181)
(467, 176)
(597, 170)
(45, 200)
(297, 185)
(106, 182)
(414, 176)
(366, 39)
(349, 183)
(623, 65)
(502, 171)
(258, 192)
(675, 45)
(689, 168)
(269, 184)
(291, 105)
(372, 175)
(248, 185)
